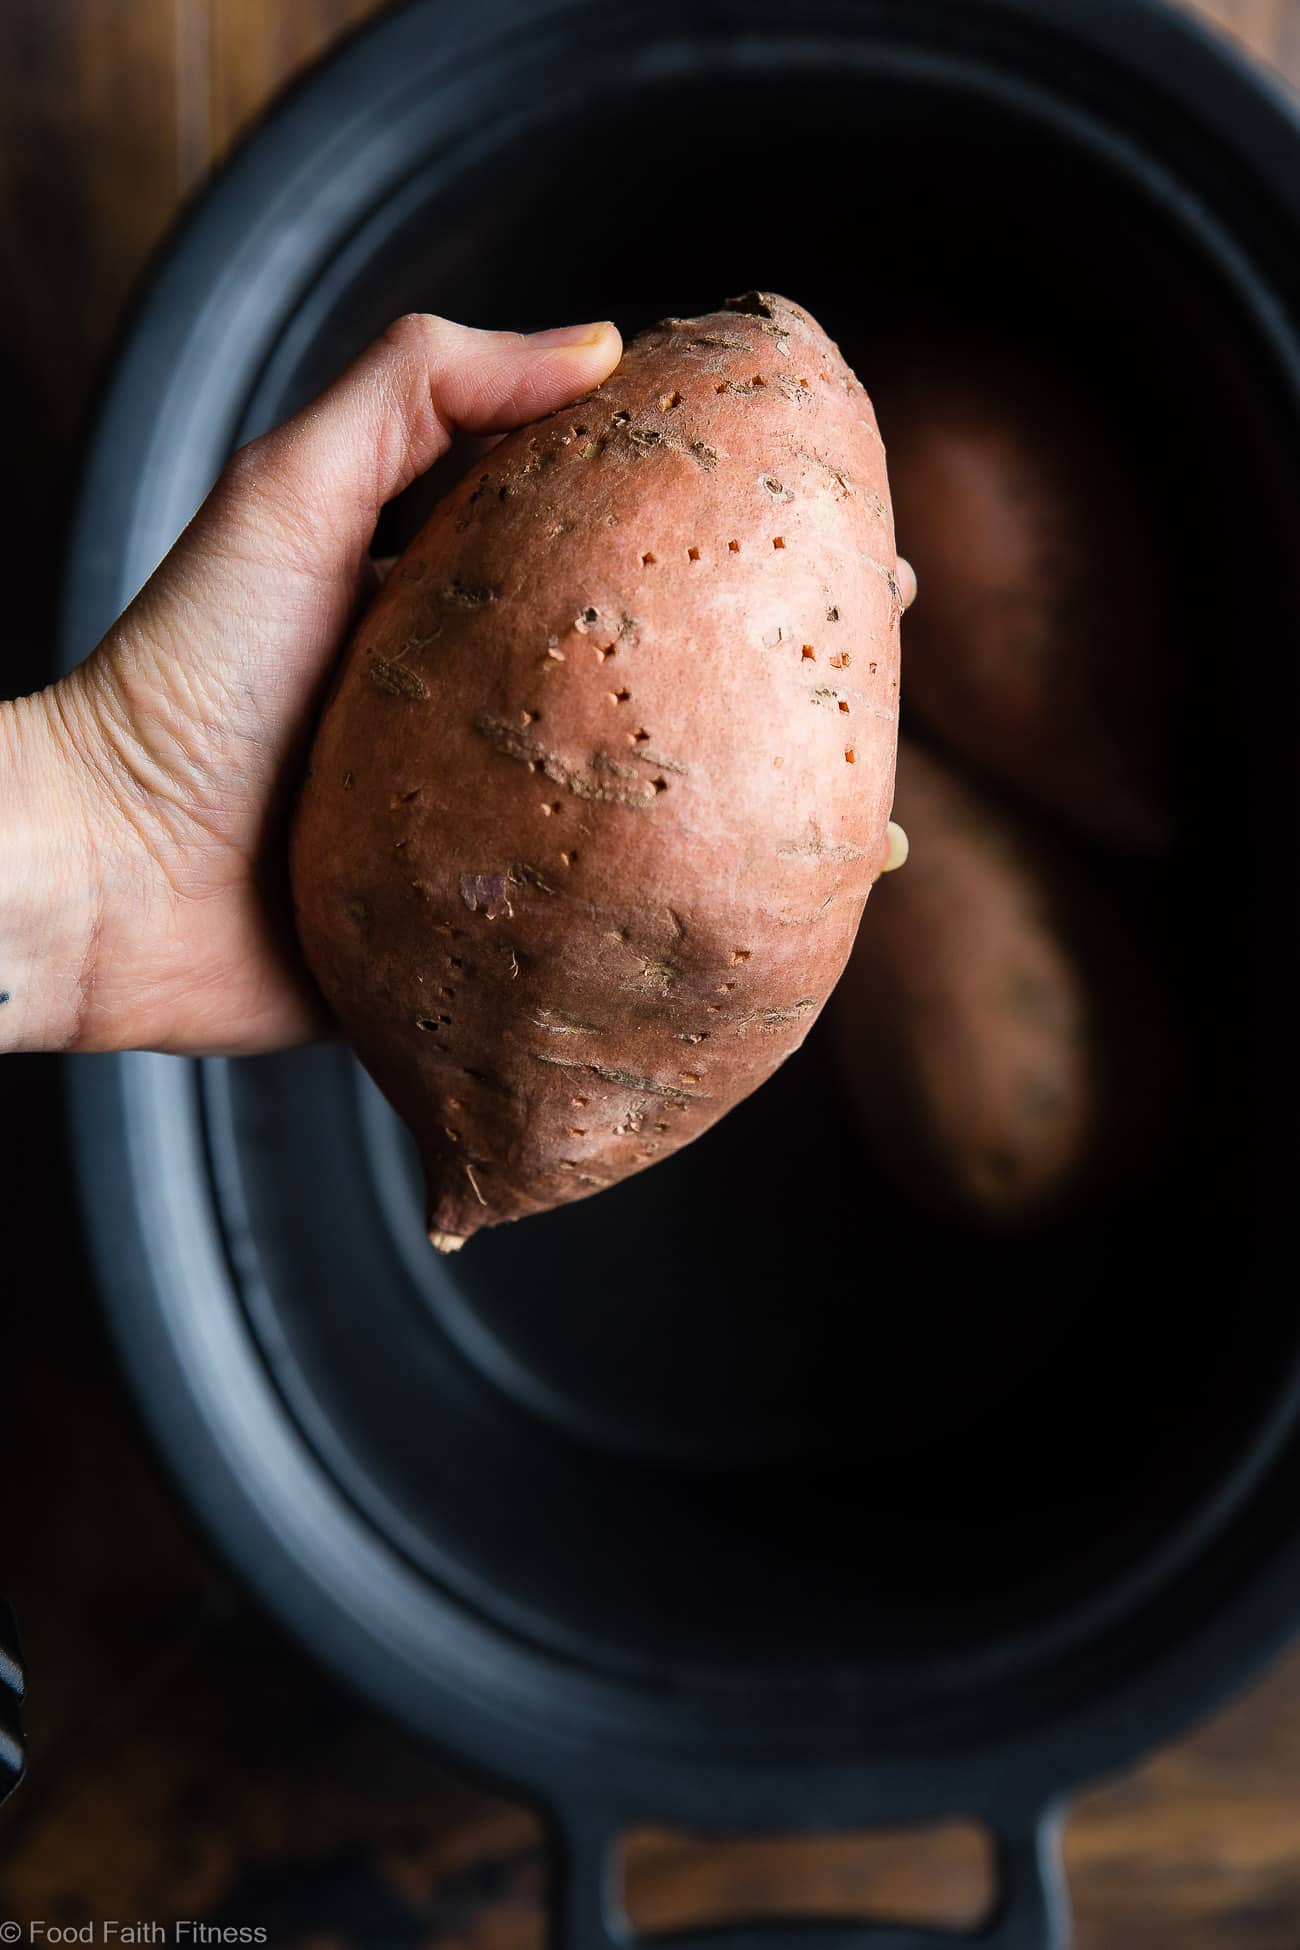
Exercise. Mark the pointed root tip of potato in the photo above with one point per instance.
(897, 848)
(446, 1242)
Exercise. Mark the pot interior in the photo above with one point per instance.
(753, 1413)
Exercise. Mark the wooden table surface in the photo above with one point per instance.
(186, 1762)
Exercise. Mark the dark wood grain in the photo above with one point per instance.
(186, 1761)
(255, 47)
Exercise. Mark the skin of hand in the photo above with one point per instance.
(144, 797)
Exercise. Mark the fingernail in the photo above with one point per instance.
(896, 848)
(571, 335)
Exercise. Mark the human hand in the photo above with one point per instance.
(143, 797)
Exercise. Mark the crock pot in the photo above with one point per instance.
(745, 1496)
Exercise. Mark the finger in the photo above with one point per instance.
(315, 485)
(905, 575)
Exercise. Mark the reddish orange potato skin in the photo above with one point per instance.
(1039, 648)
(603, 785)
(1003, 1036)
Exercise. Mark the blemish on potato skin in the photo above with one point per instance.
(775, 1018)
(468, 595)
(602, 779)
(524, 874)
(397, 680)
(815, 849)
(659, 975)
(560, 1024)
(645, 1086)
(487, 894)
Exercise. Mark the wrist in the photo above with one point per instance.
(48, 884)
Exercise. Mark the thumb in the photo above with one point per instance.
(235, 629)
(309, 493)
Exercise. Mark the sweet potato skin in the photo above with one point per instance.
(604, 782)
(1040, 651)
(1003, 1035)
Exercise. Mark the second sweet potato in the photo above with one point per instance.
(1001, 1030)
(1039, 651)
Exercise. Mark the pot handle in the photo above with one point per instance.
(1032, 1911)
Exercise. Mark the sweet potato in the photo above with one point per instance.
(1040, 648)
(599, 796)
(1003, 1035)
